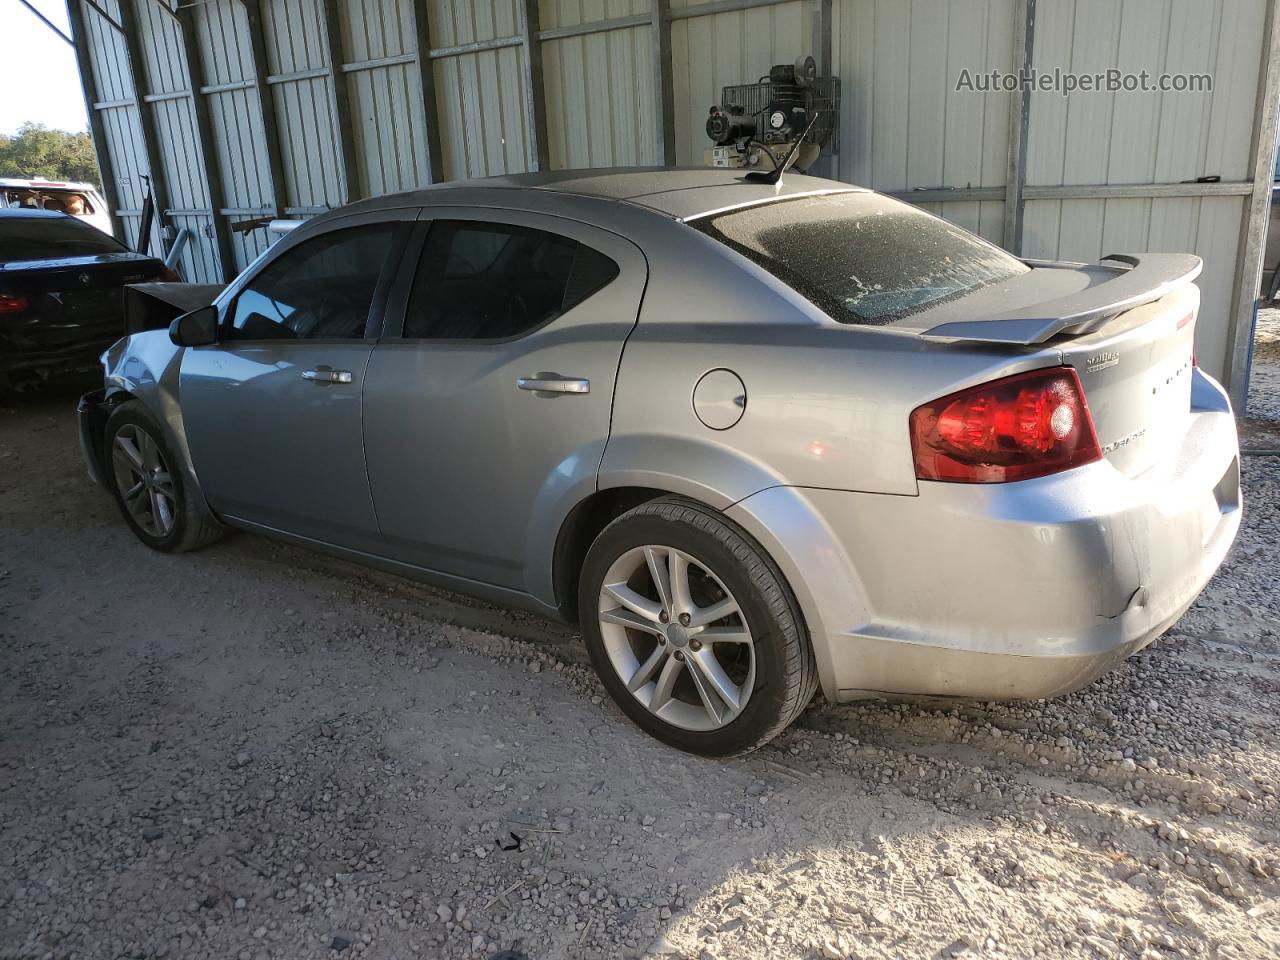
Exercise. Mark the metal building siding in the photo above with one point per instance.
(222, 30)
(161, 48)
(599, 86)
(483, 113)
(455, 22)
(600, 99)
(1137, 138)
(711, 52)
(904, 125)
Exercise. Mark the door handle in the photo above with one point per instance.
(324, 375)
(550, 383)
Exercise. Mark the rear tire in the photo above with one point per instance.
(159, 501)
(693, 630)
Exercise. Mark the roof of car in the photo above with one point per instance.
(30, 213)
(682, 193)
(20, 183)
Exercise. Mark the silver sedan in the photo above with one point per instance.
(754, 439)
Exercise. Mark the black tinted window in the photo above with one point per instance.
(863, 258)
(488, 281)
(320, 290)
(50, 238)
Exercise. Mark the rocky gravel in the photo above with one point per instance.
(255, 752)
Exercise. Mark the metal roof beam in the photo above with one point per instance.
(1024, 39)
(266, 105)
(47, 22)
(427, 82)
(1257, 212)
(663, 81)
(208, 142)
(129, 18)
(340, 100)
(101, 150)
(535, 94)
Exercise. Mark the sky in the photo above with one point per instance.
(38, 75)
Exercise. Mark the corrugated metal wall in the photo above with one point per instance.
(601, 110)
(346, 84)
(1131, 138)
(903, 123)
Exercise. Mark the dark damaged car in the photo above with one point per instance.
(62, 287)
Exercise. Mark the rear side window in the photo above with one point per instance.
(50, 238)
(863, 258)
(322, 289)
(491, 281)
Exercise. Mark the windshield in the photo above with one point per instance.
(861, 257)
(52, 238)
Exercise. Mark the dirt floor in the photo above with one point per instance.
(256, 752)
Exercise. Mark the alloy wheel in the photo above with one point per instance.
(142, 476)
(677, 637)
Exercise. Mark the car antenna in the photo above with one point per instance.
(774, 176)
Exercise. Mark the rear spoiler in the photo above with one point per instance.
(1145, 278)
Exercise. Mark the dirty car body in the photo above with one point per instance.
(971, 476)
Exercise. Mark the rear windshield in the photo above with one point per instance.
(861, 257)
(51, 238)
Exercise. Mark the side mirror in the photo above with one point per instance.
(199, 328)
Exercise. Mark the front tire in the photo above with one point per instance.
(693, 631)
(158, 500)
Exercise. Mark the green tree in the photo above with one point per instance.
(36, 152)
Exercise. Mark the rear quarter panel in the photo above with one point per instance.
(827, 404)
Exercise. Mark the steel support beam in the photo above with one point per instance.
(208, 143)
(534, 92)
(479, 46)
(820, 26)
(47, 22)
(663, 82)
(1024, 36)
(1244, 295)
(427, 81)
(721, 6)
(101, 149)
(340, 100)
(130, 16)
(266, 105)
(595, 26)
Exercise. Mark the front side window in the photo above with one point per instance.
(322, 289)
(490, 281)
(861, 257)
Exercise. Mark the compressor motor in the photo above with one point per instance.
(772, 114)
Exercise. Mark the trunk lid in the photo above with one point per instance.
(1136, 374)
(78, 291)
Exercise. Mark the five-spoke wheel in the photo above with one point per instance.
(692, 630)
(160, 501)
(677, 637)
(143, 480)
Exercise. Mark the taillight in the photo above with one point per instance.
(11, 303)
(1015, 428)
(170, 275)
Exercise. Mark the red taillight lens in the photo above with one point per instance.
(1019, 427)
(170, 275)
(13, 303)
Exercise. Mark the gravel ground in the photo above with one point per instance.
(256, 752)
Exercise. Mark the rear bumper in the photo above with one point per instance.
(1020, 590)
(66, 351)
